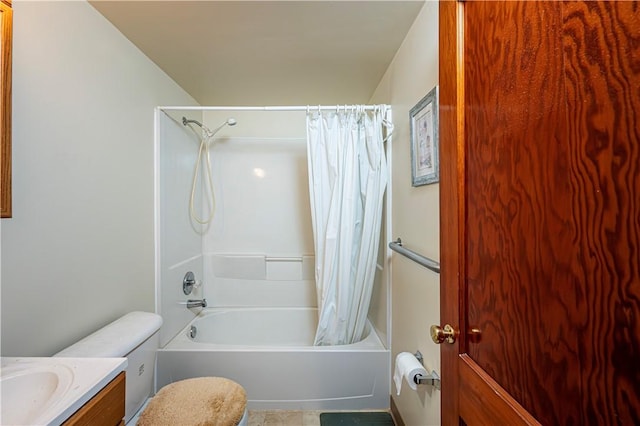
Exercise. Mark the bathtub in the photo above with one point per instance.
(270, 352)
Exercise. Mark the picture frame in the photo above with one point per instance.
(424, 132)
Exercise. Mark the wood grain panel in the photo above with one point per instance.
(520, 288)
(106, 408)
(602, 57)
(478, 399)
(6, 20)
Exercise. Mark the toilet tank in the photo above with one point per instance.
(134, 336)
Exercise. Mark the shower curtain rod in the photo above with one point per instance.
(269, 108)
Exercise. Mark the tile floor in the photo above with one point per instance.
(284, 418)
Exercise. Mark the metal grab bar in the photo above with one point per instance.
(418, 258)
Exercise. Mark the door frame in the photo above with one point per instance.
(451, 140)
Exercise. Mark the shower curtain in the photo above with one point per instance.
(347, 180)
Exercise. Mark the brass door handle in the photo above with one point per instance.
(443, 334)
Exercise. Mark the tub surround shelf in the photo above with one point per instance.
(72, 382)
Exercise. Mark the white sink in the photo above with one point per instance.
(28, 392)
(47, 391)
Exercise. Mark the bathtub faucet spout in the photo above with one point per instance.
(192, 303)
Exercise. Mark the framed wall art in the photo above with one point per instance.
(423, 122)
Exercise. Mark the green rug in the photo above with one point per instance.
(356, 419)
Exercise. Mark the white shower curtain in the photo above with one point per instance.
(347, 180)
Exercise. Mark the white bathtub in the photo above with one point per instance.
(269, 352)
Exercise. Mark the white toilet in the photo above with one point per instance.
(136, 337)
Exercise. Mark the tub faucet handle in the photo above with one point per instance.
(188, 282)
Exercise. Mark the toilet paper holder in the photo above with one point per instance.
(432, 379)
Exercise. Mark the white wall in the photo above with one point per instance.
(79, 250)
(415, 290)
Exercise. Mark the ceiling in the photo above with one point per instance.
(268, 52)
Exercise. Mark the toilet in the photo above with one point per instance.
(136, 337)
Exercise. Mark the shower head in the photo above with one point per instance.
(228, 122)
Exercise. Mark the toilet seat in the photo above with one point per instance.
(214, 401)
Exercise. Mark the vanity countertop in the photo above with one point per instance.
(47, 391)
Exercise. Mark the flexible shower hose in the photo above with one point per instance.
(204, 147)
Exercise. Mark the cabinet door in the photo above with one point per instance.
(104, 409)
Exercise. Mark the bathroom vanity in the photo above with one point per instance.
(104, 409)
(69, 391)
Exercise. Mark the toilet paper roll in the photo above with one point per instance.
(407, 367)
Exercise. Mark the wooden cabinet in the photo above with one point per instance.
(6, 33)
(104, 409)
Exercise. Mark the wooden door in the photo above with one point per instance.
(540, 208)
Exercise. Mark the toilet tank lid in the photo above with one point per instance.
(116, 339)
